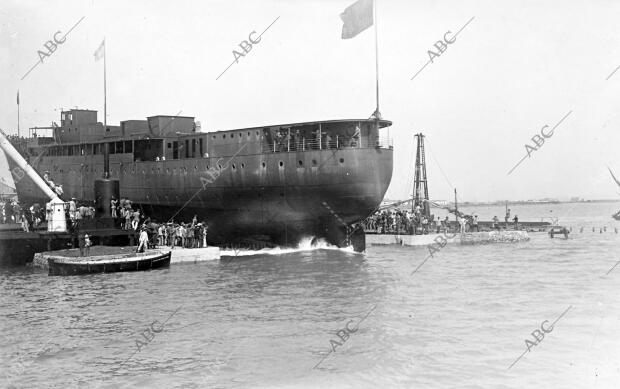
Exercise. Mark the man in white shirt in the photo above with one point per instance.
(143, 241)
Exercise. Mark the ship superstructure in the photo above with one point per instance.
(274, 183)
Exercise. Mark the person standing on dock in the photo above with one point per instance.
(516, 220)
(172, 235)
(507, 217)
(474, 224)
(495, 224)
(17, 211)
(463, 223)
(160, 235)
(113, 204)
(446, 224)
(24, 223)
(143, 240)
(87, 244)
(72, 209)
(182, 234)
(204, 234)
(128, 215)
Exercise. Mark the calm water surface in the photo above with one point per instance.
(267, 320)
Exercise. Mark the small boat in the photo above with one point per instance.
(66, 266)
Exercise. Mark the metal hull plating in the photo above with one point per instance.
(276, 197)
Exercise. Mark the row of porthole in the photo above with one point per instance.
(234, 167)
(233, 135)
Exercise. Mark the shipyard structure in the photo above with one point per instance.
(272, 185)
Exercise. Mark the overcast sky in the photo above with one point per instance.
(517, 67)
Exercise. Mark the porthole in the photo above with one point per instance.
(243, 166)
(248, 133)
(281, 164)
(213, 136)
(256, 132)
(264, 164)
(195, 168)
(234, 166)
(341, 160)
(207, 167)
(224, 136)
(314, 162)
(239, 135)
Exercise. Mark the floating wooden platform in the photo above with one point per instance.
(68, 266)
(179, 255)
(466, 238)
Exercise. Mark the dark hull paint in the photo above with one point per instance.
(312, 193)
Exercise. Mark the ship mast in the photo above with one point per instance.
(377, 113)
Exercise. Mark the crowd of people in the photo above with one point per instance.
(29, 217)
(186, 235)
(285, 139)
(396, 221)
(404, 222)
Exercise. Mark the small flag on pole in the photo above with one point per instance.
(356, 18)
(100, 53)
(18, 97)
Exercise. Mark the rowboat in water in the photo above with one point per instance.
(65, 266)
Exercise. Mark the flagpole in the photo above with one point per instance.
(106, 153)
(378, 114)
(105, 103)
(18, 113)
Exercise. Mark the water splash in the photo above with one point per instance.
(306, 244)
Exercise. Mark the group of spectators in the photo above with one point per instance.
(78, 211)
(153, 234)
(129, 218)
(285, 139)
(417, 222)
(186, 235)
(29, 217)
(404, 222)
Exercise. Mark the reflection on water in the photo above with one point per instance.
(266, 320)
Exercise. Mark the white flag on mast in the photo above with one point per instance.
(100, 53)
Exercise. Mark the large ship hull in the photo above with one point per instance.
(277, 197)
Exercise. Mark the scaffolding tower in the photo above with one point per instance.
(420, 184)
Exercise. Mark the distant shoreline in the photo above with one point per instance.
(525, 202)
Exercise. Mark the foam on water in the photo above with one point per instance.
(304, 245)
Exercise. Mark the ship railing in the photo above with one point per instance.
(384, 142)
(303, 144)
